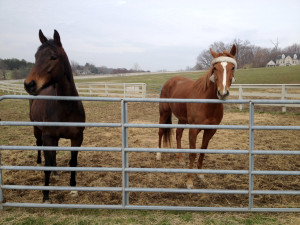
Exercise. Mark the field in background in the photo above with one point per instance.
(271, 75)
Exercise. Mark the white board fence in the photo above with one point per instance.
(142, 90)
(99, 89)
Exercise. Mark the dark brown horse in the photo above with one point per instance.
(214, 84)
(52, 75)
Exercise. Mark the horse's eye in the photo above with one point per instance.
(233, 68)
(53, 57)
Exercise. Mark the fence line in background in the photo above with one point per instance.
(126, 188)
(142, 90)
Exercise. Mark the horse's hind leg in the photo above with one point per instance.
(165, 115)
(179, 132)
(208, 134)
(75, 142)
(39, 158)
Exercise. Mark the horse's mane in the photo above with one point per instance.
(202, 84)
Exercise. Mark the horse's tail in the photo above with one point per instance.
(167, 133)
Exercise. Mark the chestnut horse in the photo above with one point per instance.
(52, 75)
(214, 84)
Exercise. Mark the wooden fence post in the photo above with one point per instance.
(241, 96)
(283, 95)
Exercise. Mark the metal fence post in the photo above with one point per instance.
(251, 156)
(1, 192)
(125, 163)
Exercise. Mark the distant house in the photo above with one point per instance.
(288, 60)
(271, 64)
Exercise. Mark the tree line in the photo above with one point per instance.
(248, 55)
(14, 68)
(90, 68)
(18, 69)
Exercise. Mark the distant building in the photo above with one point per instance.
(271, 64)
(288, 60)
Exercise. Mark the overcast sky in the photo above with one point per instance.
(155, 34)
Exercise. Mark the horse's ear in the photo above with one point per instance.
(56, 38)
(213, 54)
(42, 37)
(233, 50)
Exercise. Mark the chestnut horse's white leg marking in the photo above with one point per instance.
(74, 194)
(158, 156)
(224, 64)
(200, 176)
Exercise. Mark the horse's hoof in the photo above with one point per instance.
(158, 156)
(189, 186)
(39, 164)
(200, 176)
(46, 202)
(74, 194)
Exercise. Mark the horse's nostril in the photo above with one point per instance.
(31, 86)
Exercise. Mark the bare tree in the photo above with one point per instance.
(244, 54)
(295, 48)
(276, 44)
(203, 60)
(75, 66)
(136, 67)
(261, 56)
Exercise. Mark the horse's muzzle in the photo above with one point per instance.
(30, 87)
(224, 96)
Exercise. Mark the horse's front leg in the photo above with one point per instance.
(192, 139)
(207, 135)
(39, 142)
(76, 142)
(50, 160)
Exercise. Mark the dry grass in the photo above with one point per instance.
(140, 137)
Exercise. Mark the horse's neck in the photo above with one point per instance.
(66, 88)
(204, 88)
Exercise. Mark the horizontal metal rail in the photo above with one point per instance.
(125, 170)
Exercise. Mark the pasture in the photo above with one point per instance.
(18, 110)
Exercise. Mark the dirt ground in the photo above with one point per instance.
(145, 137)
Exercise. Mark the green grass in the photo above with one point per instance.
(272, 75)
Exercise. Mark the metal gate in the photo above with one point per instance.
(126, 170)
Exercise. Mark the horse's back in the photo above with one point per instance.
(177, 87)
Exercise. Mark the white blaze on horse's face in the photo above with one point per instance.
(224, 64)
